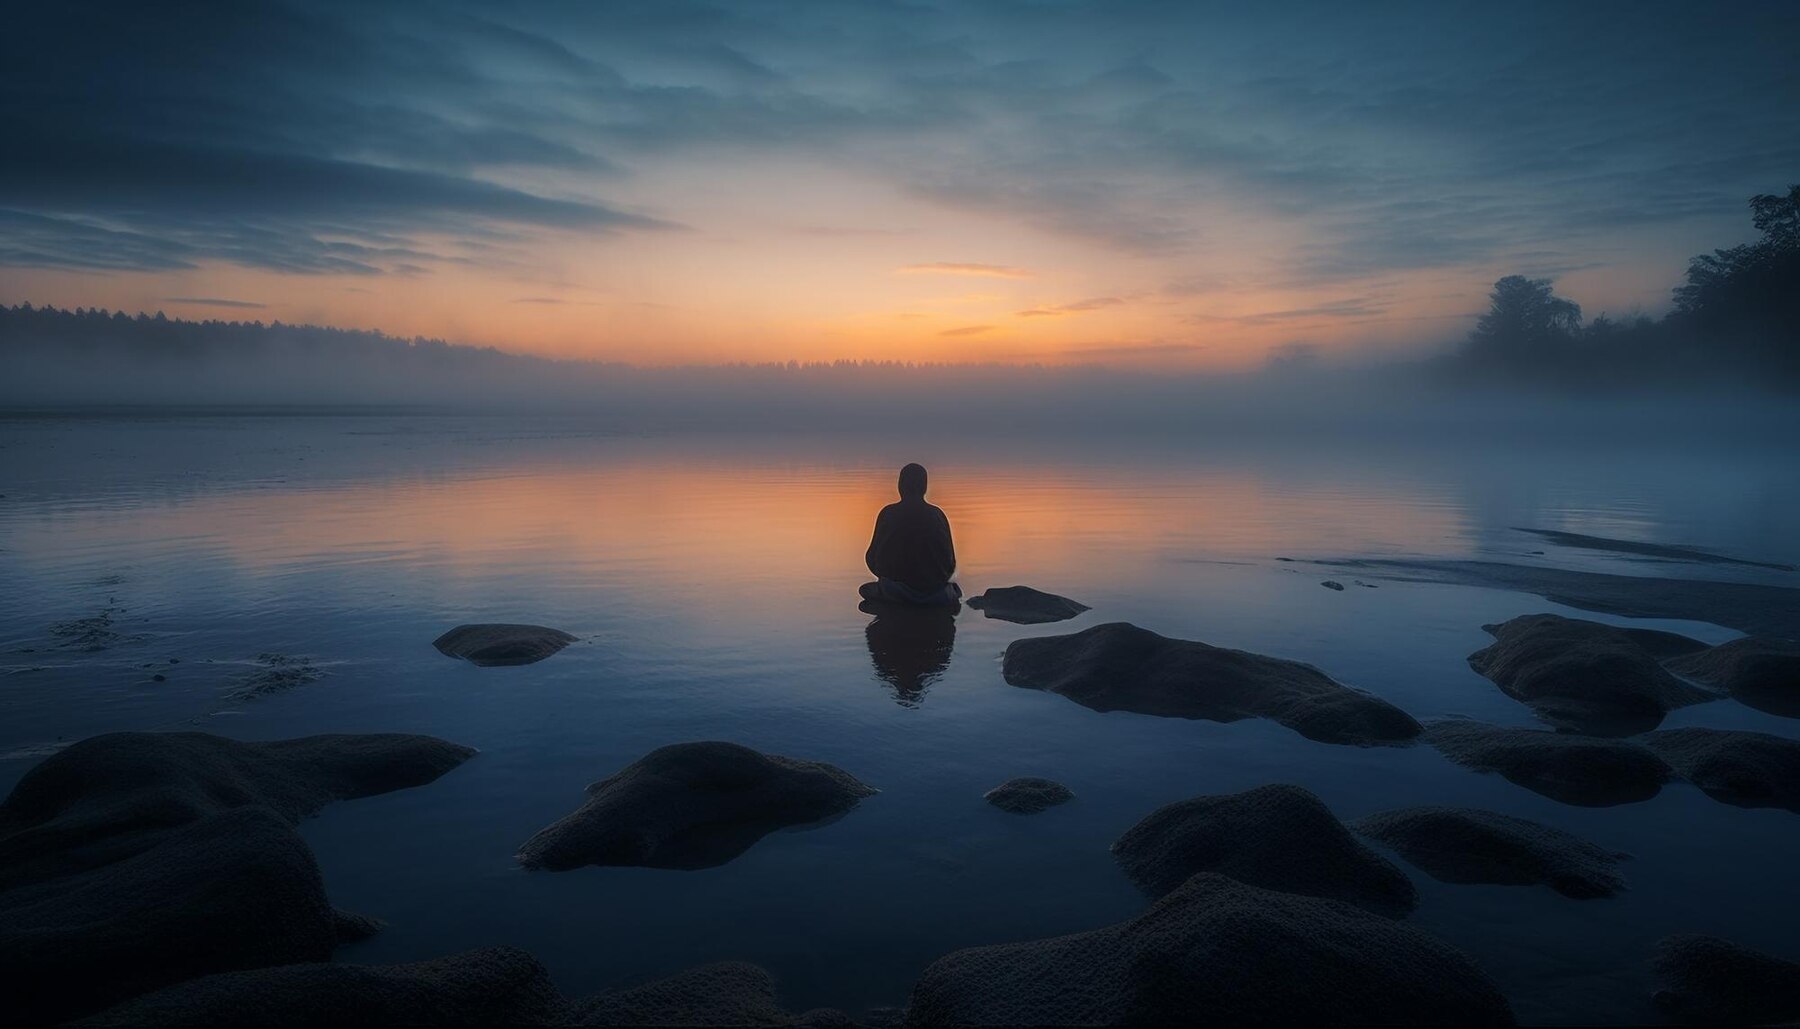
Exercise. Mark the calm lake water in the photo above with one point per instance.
(712, 581)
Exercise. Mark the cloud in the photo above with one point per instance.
(989, 271)
(967, 330)
(553, 301)
(1079, 306)
(212, 302)
(1352, 308)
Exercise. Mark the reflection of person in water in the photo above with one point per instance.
(910, 645)
(911, 553)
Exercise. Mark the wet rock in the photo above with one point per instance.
(1333, 585)
(494, 986)
(1704, 980)
(1748, 769)
(132, 861)
(494, 643)
(1026, 606)
(278, 674)
(1218, 951)
(692, 805)
(233, 890)
(1763, 673)
(727, 993)
(1120, 667)
(1586, 676)
(1465, 845)
(1028, 795)
(109, 797)
(1279, 837)
(1582, 770)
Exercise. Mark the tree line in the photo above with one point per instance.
(1736, 317)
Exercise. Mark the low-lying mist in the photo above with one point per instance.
(57, 360)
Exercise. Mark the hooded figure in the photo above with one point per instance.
(911, 553)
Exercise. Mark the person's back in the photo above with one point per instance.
(911, 552)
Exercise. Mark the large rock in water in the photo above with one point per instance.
(1763, 673)
(1024, 605)
(135, 860)
(494, 986)
(234, 890)
(692, 805)
(109, 797)
(1464, 845)
(1748, 769)
(1028, 794)
(496, 643)
(1216, 951)
(1573, 769)
(1120, 667)
(727, 993)
(1279, 837)
(1586, 676)
(1708, 981)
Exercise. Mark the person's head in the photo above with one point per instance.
(912, 482)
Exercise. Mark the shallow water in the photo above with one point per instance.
(712, 582)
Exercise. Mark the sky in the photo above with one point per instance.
(1179, 185)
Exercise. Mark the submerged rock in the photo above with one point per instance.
(1120, 667)
(1579, 770)
(1217, 951)
(1586, 676)
(278, 674)
(491, 986)
(1658, 550)
(131, 861)
(1026, 606)
(726, 993)
(1708, 981)
(1748, 769)
(1763, 673)
(1745, 606)
(1333, 584)
(495, 643)
(692, 805)
(1465, 845)
(1279, 837)
(1027, 795)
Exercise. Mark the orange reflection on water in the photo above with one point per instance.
(703, 527)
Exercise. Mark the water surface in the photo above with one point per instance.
(712, 581)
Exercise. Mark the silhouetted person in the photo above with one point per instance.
(911, 554)
(909, 645)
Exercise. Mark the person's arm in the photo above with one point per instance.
(873, 557)
(949, 547)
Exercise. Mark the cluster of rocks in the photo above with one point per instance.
(1733, 766)
(134, 861)
(157, 878)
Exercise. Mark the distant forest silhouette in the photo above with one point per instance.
(1735, 320)
(1736, 316)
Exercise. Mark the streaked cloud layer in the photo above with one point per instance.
(670, 181)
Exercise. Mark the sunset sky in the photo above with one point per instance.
(1142, 184)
